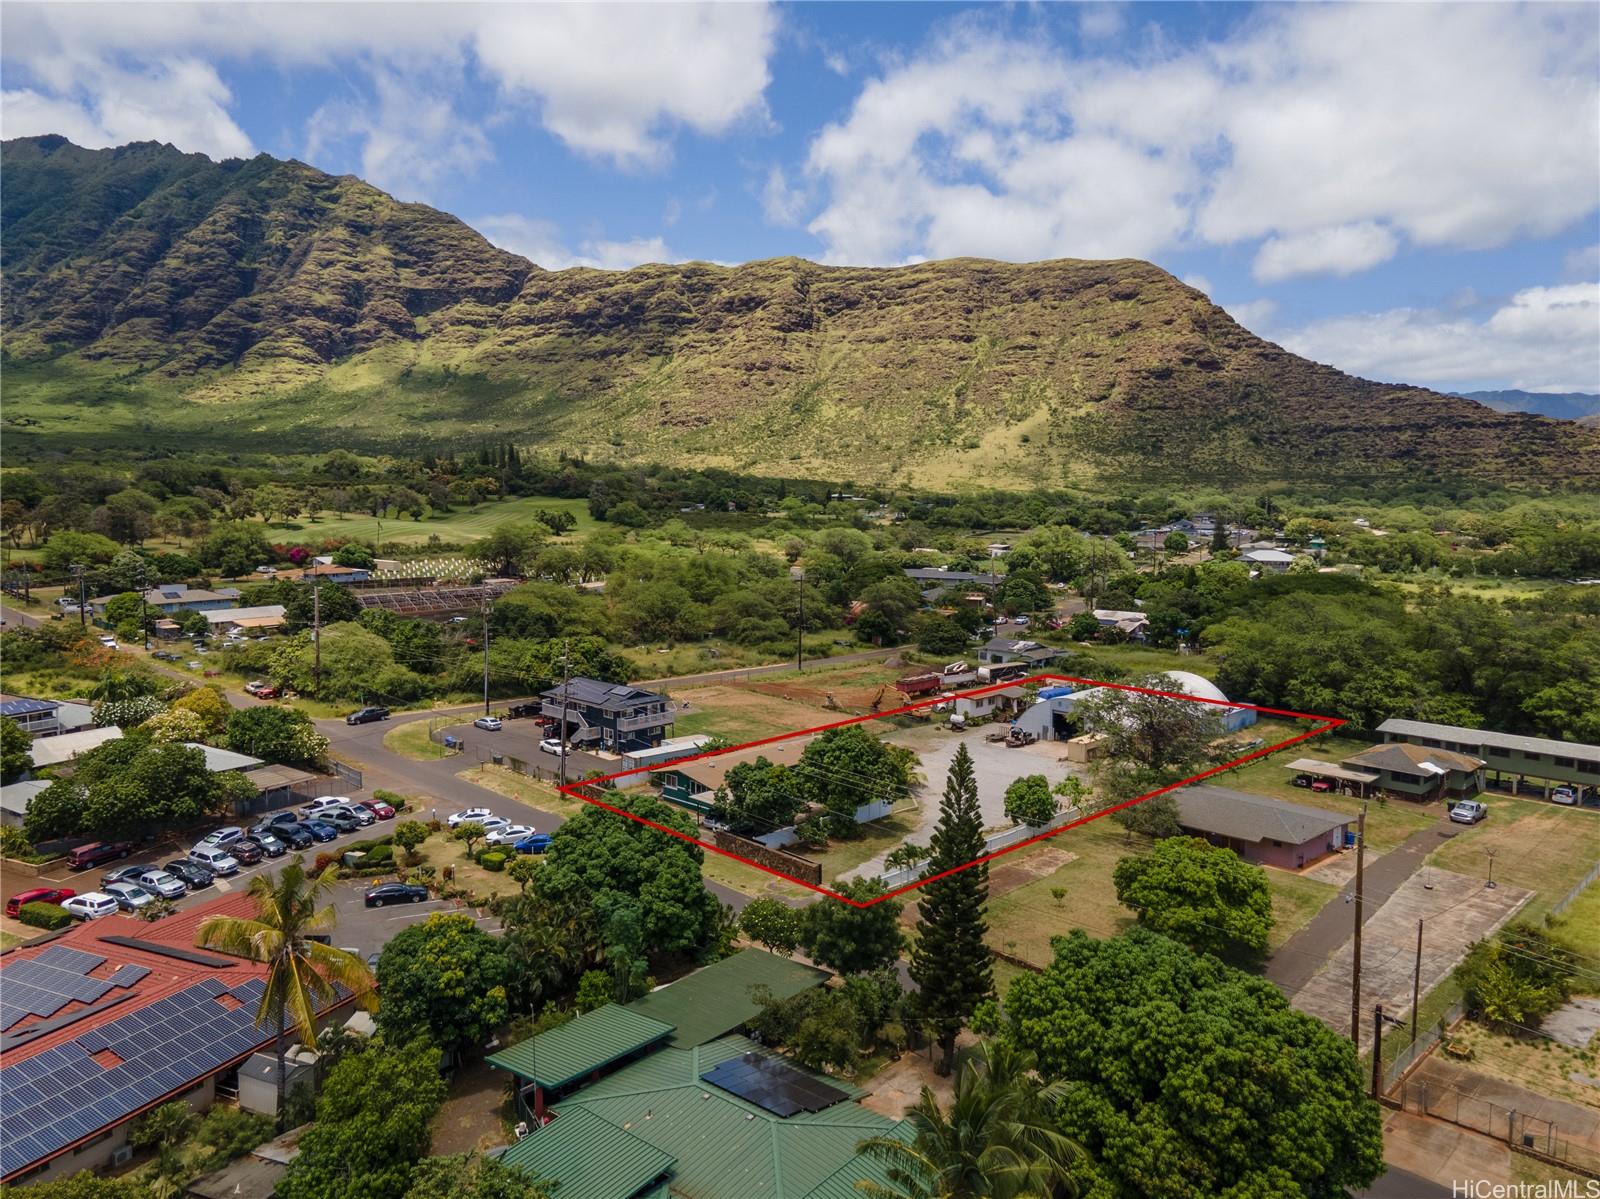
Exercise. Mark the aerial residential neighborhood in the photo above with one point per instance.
(797, 601)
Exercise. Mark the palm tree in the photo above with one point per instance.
(300, 972)
(996, 1142)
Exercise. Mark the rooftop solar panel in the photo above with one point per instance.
(773, 1085)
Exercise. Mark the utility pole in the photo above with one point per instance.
(144, 616)
(800, 621)
(1377, 1048)
(316, 638)
(561, 733)
(1490, 885)
(1355, 973)
(1416, 984)
(486, 605)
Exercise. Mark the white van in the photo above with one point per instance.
(215, 859)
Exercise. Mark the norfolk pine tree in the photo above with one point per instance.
(949, 960)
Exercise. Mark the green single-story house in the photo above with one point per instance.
(1420, 773)
(664, 1096)
(693, 785)
(1514, 761)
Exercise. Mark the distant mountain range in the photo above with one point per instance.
(1564, 405)
(152, 297)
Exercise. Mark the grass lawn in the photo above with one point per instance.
(1022, 921)
(1004, 975)
(661, 661)
(410, 740)
(1295, 900)
(441, 850)
(878, 837)
(748, 880)
(1541, 846)
(459, 525)
(1137, 660)
(7, 940)
(1578, 928)
(1388, 823)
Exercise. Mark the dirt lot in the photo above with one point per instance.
(995, 765)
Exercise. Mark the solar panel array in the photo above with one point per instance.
(773, 1085)
(42, 986)
(61, 1095)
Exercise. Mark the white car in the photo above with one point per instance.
(552, 745)
(109, 642)
(362, 816)
(491, 723)
(1565, 795)
(223, 836)
(159, 882)
(327, 801)
(475, 815)
(510, 834)
(130, 896)
(91, 905)
(215, 859)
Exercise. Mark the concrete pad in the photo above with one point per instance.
(996, 767)
(1339, 869)
(1455, 1090)
(1456, 911)
(1443, 1153)
(1574, 1024)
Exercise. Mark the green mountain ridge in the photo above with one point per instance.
(152, 296)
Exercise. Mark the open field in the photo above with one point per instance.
(507, 782)
(1137, 660)
(1537, 1063)
(1295, 900)
(460, 524)
(656, 660)
(1022, 921)
(1578, 928)
(770, 705)
(1537, 845)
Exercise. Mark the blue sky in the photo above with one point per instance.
(1409, 192)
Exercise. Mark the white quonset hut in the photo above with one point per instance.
(1052, 718)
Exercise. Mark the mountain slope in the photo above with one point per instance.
(1563, 405)
(151, 294)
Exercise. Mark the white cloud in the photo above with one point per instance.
(541, 242)
(179, 100)
(1337, 250)
(1334, 133)
(782, 204)
(611, 80)
(1198, 282)
(1582, 263)
(1097, 22)
(1254, 315)
(1542, 339)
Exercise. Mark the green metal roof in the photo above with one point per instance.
(724, 1148)
(592, 1159)
(716, 1000)
(581, 1045)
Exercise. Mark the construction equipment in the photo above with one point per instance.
(830, 703)
(877, 700)
(1019, 737)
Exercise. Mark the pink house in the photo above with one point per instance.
(1270, 832)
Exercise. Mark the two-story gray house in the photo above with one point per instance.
(1514, 761)
(609, 716)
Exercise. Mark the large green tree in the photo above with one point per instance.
(472, 1176)
(125, 788)
(846, 768)
(849, 938)
(949, 959)
(234, 548)
(627, 869)
(279, 734)
(16, 750)
(757, 797)
(373, 1125)
(1183, 1076)
(1201, 894)
(1150, 740)
(1029, 800)
(445, 978)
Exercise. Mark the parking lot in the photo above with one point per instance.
(520, 739)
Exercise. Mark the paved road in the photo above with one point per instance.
(1302, 955)
(15, 617)
(1402, 1184)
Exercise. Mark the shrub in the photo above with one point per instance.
(492, 860)
(323, 861)
(44, 915)
(379, 855)
(393, 798)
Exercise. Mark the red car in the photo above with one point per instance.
(1322, 785)
(37, 895)
(378, 808)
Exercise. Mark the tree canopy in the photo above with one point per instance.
(445, 978)
(847, 768)
(16, 750)
(278, 733)
(1201, 894)
(757, 797)
(125, 788)
(1184, 1076)
(850, 939)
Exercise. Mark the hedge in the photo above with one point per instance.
(44, 915)
(379, 854)
(494, 860)
(393, 798)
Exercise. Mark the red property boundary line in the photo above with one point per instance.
(1324, 724)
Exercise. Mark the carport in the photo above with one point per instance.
(1342, 777)
(282, 787)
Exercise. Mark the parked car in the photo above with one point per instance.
(1322, 786)
(195, 663)
(1302, 780)
(359, 811)
(162, 655)
(255, 687)
(509, 834)
(192, 874)
(109, 642)
(130, 897)
(476, 815)
(1565, 795)
(37, 895)
(320, 830)
(269, 842)
(535, 843)
(162, 883)
(91, 906)
(323, 802)
(246, 851)
(123, 874)
(378, 808)
(218, 861)
(342, 819)
(552, 745)
(1468, 811)
(387, 893)
(491, 723)
(280, 818)
(98, 853)
(226, 835)
(293, 835)
(367, 715)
